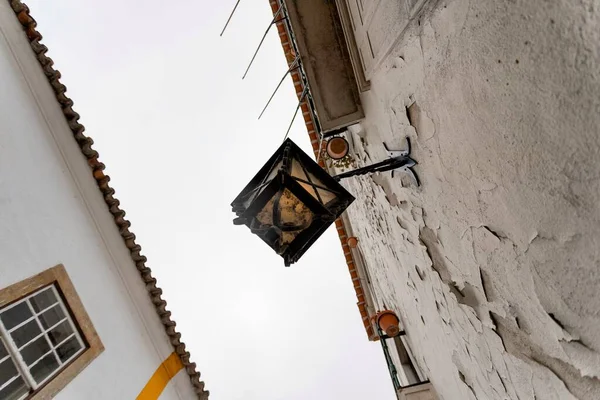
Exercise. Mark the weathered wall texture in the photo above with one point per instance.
(493, 263)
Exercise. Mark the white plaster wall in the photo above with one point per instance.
(51, 212)
(493, 263)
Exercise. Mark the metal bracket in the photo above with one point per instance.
(399, 160)
(405, 168)
(385, 337)
(398, 153)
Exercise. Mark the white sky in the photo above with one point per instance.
(161, 95)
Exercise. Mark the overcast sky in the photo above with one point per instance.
(161, 95)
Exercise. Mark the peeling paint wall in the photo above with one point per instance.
(493, 263)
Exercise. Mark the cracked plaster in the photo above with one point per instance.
(493, 263)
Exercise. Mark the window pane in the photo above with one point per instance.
(44, 368)
(3, 351)
(15, 315)
(68, 349)
(52, 316)
(43, 300)
(34, 351)
(7, 371)
(25, 333)
(60, 333)
(15, 390)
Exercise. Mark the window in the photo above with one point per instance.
(45, 336)
(404, 371)
(39, 338)
(409, 372)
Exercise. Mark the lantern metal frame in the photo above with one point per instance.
(270, 183)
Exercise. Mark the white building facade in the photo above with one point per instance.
(80, 314)
(491, 263)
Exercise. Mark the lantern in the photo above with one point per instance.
(290, 202)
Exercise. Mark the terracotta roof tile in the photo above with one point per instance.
(97, 168)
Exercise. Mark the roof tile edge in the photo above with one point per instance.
(85, 144)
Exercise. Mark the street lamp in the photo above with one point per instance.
(290, 202)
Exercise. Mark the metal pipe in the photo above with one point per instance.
(230, 15)
(275, 20)
(293, 66)
(296, 112)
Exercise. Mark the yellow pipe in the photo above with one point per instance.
(161, 377)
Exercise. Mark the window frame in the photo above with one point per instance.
(56, 278)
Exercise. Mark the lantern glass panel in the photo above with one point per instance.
(326, 195)
(292, 216)
(322, 195)
(258, 190)
(274, 171)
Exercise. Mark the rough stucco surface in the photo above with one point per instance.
(493, 263)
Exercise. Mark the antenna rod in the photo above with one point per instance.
(304, 92)
(230, 15)
(275, 20)
(293, 66)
